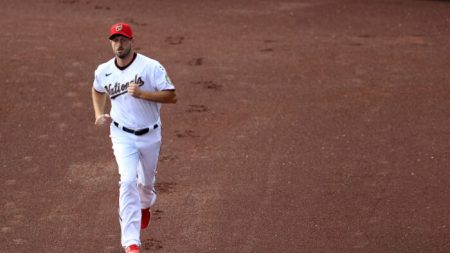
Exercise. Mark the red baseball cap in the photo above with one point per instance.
(121, 29)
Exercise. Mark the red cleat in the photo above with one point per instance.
(132, 249)
(146, 215)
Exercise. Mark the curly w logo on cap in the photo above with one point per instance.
(121, 29)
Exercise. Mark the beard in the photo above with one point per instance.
(124, 53)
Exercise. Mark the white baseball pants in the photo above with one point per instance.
(137, 158)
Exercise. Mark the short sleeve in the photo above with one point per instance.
(162, 80)
(97, 84)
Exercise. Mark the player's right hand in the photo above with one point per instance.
(102, 120)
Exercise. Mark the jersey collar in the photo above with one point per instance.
(126, 66)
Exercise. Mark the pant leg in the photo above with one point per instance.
(149, 147)
(127, 157)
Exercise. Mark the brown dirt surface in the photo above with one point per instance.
(302, 126)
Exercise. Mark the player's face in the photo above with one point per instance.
(121, 46)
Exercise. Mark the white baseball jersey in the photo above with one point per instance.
(127, 110)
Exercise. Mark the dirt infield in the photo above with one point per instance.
(302, 126)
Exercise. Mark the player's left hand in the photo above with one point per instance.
(134, 90)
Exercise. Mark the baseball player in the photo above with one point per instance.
(136, 86)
